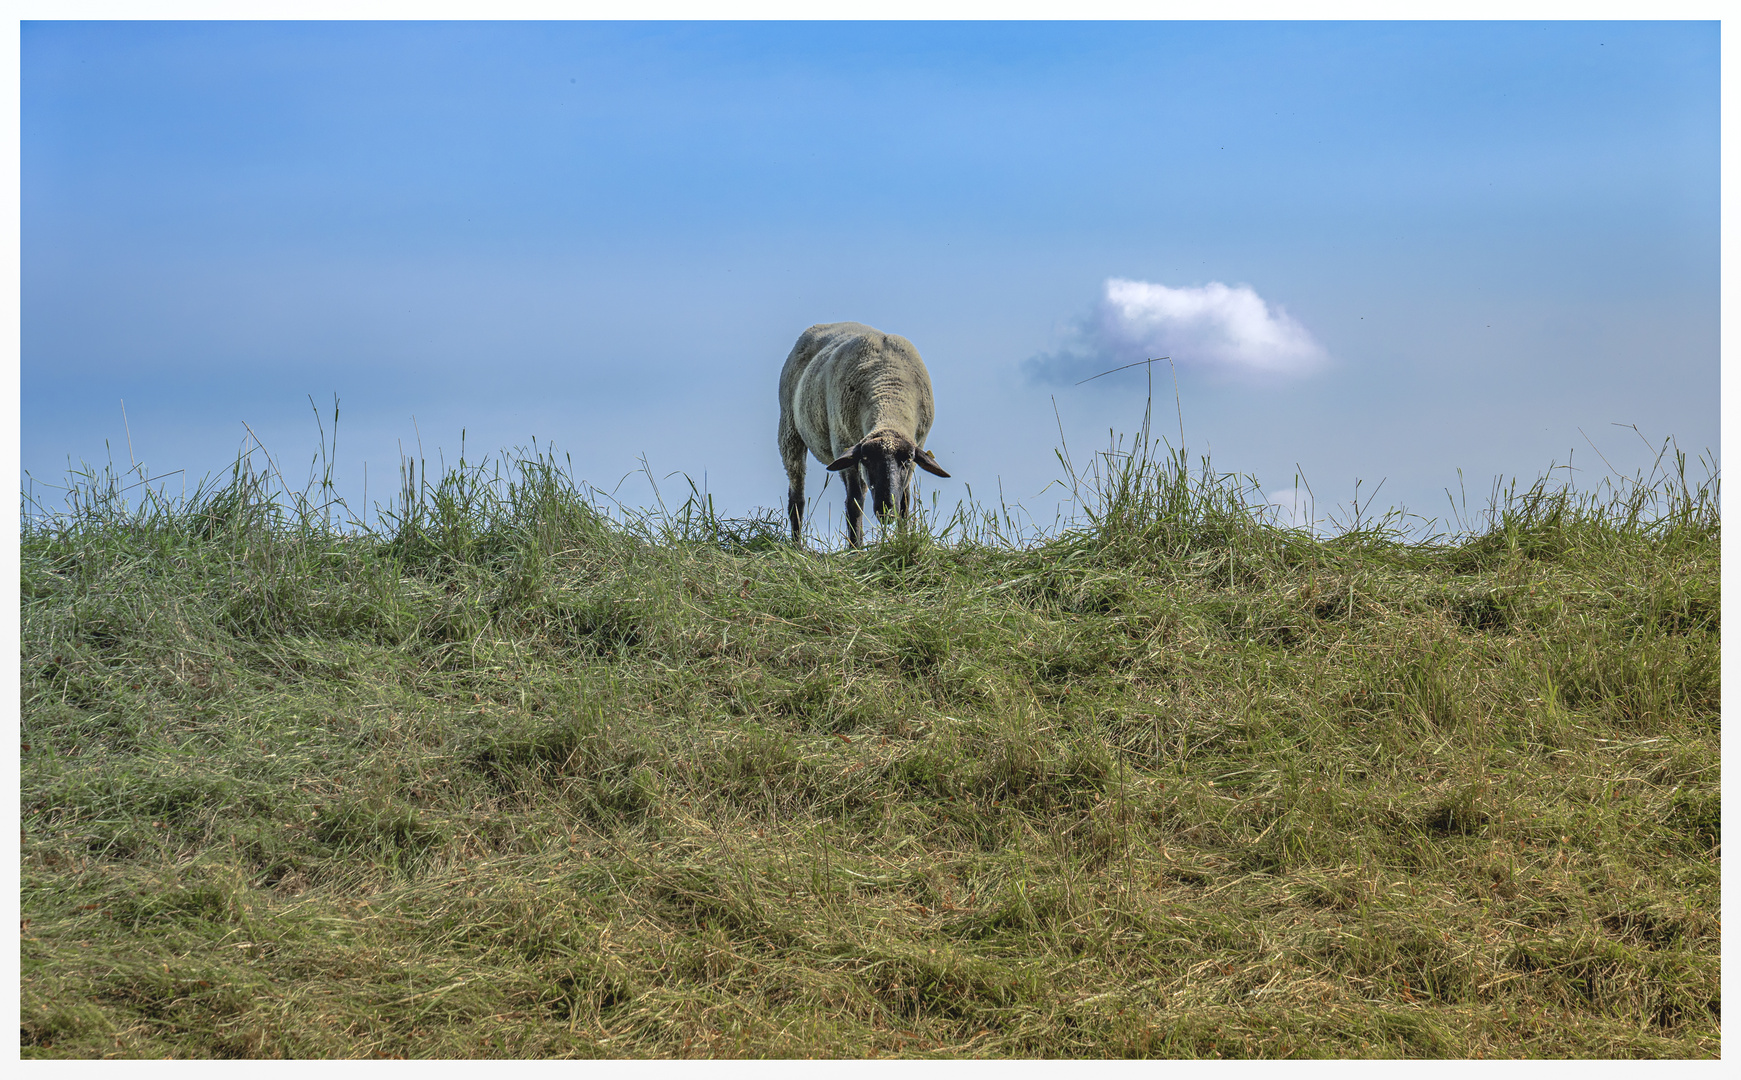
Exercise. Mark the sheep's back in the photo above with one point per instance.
(844, 380)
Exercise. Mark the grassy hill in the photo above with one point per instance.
(513, 776)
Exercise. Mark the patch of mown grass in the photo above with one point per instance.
(514, 776)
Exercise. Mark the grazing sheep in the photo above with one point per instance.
(860, 400)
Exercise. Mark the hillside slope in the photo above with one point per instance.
(516, 778)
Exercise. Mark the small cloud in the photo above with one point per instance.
(1293, 508)
(1230, 329)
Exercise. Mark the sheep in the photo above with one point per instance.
(860, 400)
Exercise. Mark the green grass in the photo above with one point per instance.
(515, 776)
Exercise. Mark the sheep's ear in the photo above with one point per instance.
(845, 461)
(925, 461)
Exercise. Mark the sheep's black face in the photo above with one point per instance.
(886, 461)
(888, 473)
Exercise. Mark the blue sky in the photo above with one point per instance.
(1377, 251)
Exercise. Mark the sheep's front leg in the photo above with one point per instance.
(854, 506)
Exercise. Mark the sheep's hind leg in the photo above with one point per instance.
(795, 507)
(792, 453)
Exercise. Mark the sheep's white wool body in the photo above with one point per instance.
(859, 400)
(843, 381)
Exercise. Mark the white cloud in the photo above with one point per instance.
(1216, 327)
(1294, 508)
